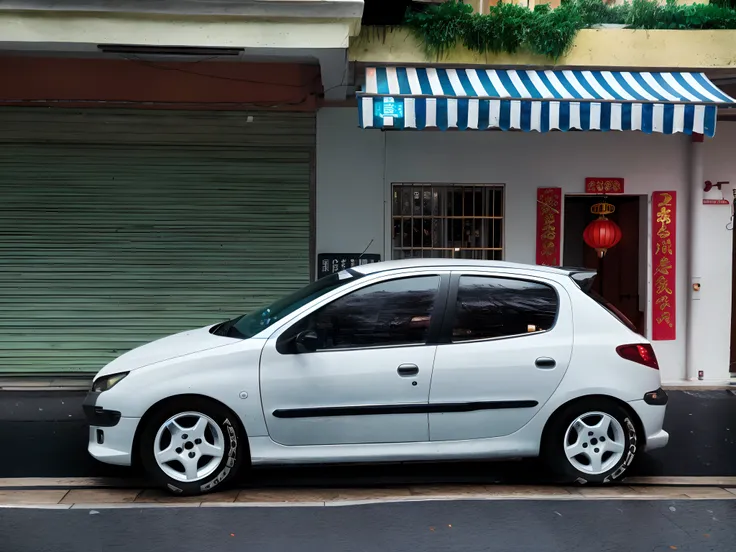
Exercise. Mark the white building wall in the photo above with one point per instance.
(711, 315)
(355, 169)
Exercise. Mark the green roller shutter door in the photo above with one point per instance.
(117, 228)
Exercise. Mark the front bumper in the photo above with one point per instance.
(111, 435)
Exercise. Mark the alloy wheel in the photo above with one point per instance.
(594, 443)
(189, 447)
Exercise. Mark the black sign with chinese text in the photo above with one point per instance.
(330, 263)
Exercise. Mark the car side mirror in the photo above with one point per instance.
(307, 341)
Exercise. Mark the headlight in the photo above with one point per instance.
(106, 383)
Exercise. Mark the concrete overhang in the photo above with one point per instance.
(287, 9)
(315, 30)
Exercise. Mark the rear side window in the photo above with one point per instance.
(488, 307)
(603, 302)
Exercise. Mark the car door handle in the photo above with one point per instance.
(545, 362)
(406, 370)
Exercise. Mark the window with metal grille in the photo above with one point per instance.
(462, 221)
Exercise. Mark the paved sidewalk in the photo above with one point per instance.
(69, 497)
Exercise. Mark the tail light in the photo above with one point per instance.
(639, 353)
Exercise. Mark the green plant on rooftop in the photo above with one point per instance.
(502, 30)
(550, 32)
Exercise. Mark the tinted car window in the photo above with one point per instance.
(396, 312)
(251, 324)
(501, 307)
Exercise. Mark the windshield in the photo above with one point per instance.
(251, 324)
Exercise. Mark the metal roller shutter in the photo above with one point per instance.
(120, 227)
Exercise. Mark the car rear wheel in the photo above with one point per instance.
(192, 446)
(591, 441)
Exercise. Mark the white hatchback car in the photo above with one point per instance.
(397, 361)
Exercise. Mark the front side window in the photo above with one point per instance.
(489, 308)
(395, 312)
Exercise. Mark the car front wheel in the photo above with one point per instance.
(592, 441)
(192, 447)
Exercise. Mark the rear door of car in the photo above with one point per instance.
(505, 345)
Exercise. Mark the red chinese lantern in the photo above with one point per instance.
(602, 234)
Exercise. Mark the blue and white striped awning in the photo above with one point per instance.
(479, 99)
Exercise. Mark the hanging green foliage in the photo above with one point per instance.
(441, 27)
(502, 30)
(550, 32)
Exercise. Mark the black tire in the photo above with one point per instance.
(235, 446)
(553, 447)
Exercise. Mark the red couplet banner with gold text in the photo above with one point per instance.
(549, 218)
(664, 247)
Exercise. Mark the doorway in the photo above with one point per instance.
(621, 279)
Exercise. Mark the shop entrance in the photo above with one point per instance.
(622, 271)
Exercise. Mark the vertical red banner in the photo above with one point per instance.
(664, 257)
(549, 219)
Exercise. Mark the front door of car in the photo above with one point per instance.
(507, 345)
(358, 369)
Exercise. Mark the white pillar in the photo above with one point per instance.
(694, 246)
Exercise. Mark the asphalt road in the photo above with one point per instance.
(533, 526)
(44, 435)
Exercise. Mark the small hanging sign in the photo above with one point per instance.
(716, 202)
(713, 193)
(332, 263)
(599, 186)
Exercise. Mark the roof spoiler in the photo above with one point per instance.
(583, 277)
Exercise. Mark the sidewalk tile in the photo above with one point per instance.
(660, 492)
(155, 495)
(528, 490)
(69, 482)
(448, 490)
(723, 481)
(604, 492)
(100, 496)
(708, 492)
(372, 494)
(32, 497)
(286, 495)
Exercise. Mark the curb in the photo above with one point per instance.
(52, 494)
(364, 502)
(46, 383)
(92, 483)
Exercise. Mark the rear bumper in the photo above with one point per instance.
(658, 440)
(652, 420)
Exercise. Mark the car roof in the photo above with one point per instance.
(384, 266)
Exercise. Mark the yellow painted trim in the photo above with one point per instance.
(592, 48)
